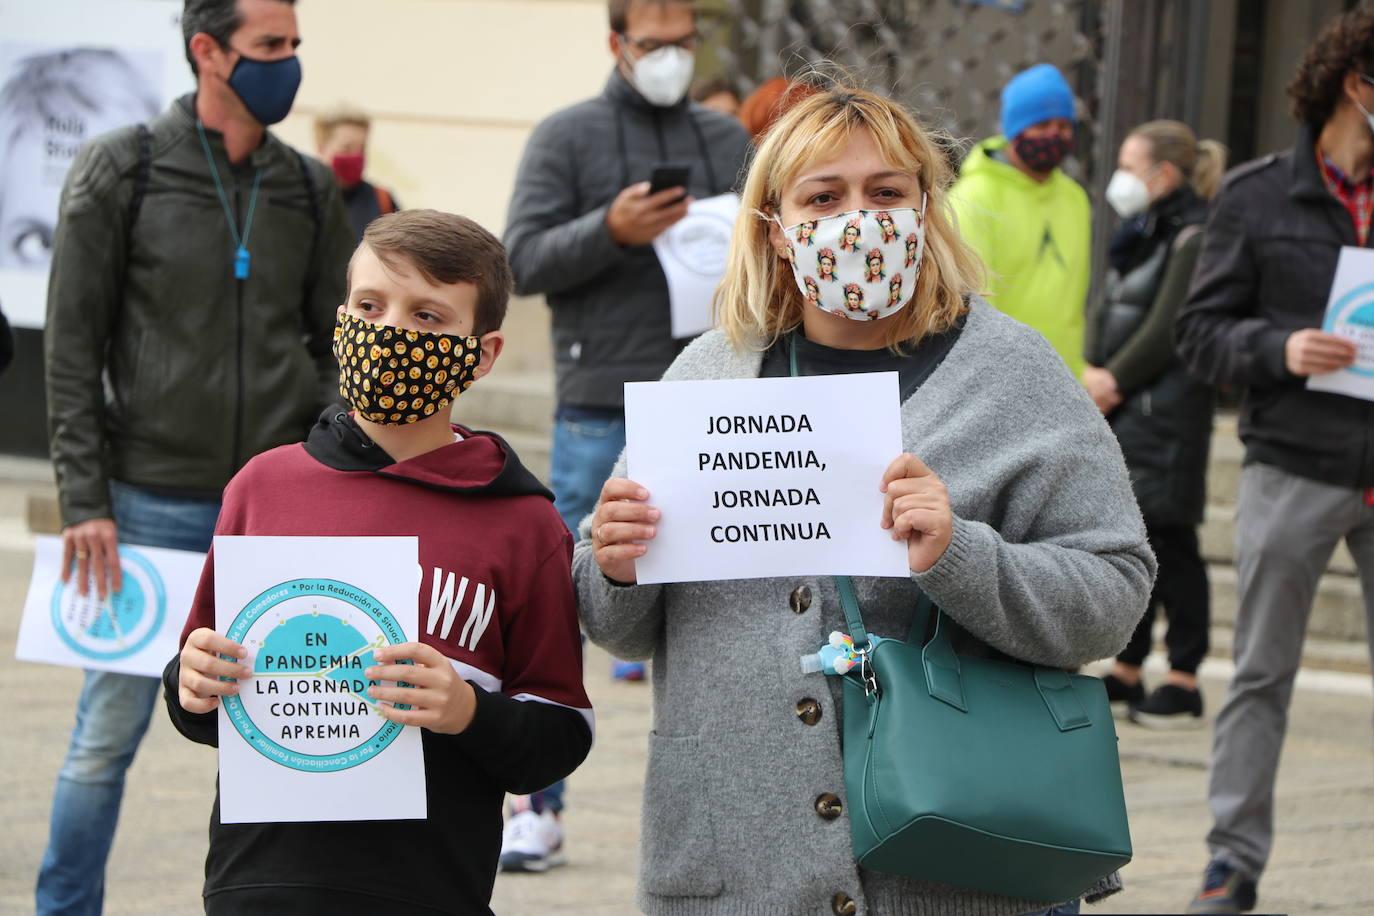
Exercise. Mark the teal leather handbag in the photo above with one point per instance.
(991, 775)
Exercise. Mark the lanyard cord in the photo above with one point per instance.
(239, 244)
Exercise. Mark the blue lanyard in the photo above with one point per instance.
(241, 256)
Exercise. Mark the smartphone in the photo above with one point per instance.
(669, 175)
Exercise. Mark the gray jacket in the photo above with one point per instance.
(1049, 563)
(163, 370)
(610, 303)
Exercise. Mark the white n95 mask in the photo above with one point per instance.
(663, 76)
(1128, 194)
(862, 264)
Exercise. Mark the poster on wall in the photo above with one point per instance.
(70, 71)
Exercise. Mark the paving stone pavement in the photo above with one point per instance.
(1323, 861)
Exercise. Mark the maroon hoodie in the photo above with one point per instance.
(480, 516)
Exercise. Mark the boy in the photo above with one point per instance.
(341, 136)
(505, 712)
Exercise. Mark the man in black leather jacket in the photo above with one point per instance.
(1252, 319)
(196, 268)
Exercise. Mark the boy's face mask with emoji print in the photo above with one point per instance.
(393, 376)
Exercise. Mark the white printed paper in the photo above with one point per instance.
(302, 741)
(1350, 313)
(766, 477)
(133, 632)
(692, 252)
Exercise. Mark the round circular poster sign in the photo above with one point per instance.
(1353, 317)
(306, 706)
(120, 626)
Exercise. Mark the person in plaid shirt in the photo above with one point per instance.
(1253, 320)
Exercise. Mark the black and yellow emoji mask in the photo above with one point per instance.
(393, 376)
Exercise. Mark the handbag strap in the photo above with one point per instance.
(849, 600)
(920, 617)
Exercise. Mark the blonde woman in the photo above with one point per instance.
(1012, 499)
(1161, 414)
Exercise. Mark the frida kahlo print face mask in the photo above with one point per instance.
(862, 264)
(393, 376)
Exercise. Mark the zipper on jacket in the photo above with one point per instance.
(237, 442)
(658, 135)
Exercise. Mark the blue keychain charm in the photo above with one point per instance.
(241, 259)
(836, 657)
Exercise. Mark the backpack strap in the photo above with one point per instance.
(1184, 235)
(141, 175)
(384, 202)
(313, 192)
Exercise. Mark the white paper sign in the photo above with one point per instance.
(133, 632)
(302, 741)
(1350, 313)
(766, 477)
(692, 252)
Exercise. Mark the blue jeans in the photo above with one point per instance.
(585, 447)
(111, 718)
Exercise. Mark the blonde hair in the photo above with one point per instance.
(340, 114)
(1201, 162)
(757, 301)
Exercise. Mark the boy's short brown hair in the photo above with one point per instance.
(340, 114)
(446, 248)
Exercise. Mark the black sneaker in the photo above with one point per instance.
(1169, 706)
(1121, 695)
(1224, 890)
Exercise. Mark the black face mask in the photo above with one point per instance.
(391, 376)
(1042, 154)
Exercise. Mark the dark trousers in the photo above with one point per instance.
(1181, 588)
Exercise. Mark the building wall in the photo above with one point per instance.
(1290, 25)
(454, 88)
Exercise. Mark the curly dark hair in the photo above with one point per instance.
(1345, 44)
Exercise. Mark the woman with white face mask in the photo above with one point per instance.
(1162, 415)
(1011, 500)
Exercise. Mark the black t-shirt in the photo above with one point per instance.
(912, 367)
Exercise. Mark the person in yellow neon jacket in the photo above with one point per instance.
(1029, 221)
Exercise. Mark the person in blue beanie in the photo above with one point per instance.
(1029, 221)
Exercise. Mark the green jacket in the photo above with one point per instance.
(163, 370)
(1035, 239)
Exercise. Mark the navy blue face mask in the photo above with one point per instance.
(266, 87)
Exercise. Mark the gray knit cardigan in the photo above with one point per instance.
(1048, 563)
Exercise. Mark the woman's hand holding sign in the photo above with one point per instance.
(439, 699)
(620, 525)
(917, 510)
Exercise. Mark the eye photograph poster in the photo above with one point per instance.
(69, 72)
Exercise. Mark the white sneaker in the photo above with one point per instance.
(532, 842)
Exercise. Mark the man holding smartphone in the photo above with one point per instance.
(580, 230)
